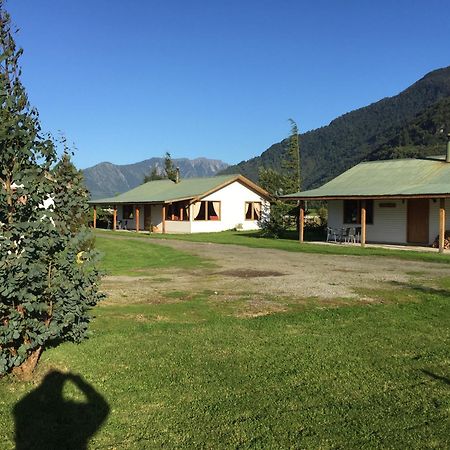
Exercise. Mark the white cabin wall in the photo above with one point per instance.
(335, 213)
(178, 226)
(232, 209)
(156, 215)
(389, 224)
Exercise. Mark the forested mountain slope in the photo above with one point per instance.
(373, 132)
(425, 135)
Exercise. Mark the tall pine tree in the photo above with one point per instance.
(276, 183)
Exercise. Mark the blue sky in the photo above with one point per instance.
(130, 80)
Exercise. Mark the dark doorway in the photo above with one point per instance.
(418, 221)
(147, 217)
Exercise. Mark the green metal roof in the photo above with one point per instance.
(161, 191)
(390, 178)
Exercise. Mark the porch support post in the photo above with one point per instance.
(441, 225)
(164, 218)
(115, 218)
(301, 224)
(363, 223)
(95, 217)
(137, 219)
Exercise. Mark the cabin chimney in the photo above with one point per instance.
(177, 176)
(447, 159)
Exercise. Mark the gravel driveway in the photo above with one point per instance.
(243, 270)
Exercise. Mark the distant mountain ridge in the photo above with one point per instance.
(107, 179)
(420, 114)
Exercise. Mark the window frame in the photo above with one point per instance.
(181, 206)
(130, 210)
(252, 210)
(206, 218)
(358, 204)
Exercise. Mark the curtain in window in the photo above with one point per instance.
(196, 209)
(216, 208)
(256, 211)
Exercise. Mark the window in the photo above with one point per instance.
(352, 211)
(178, 211)
(206, 210)
(127, 212)
(252, 210)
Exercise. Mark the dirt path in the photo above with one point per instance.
(243, 270)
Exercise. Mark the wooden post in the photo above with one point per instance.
(441, 225)
(95, 217)
(137, 219)
(301, 225)
(181, 212)
(115, 218)
(363, 223)
(164, 219)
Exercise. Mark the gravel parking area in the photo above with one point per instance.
(243, 270)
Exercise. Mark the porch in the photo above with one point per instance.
(169, 217)
(416, 248)
(402, 222)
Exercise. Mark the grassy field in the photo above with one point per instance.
(254, 239)
(190, 372)
(130, 257)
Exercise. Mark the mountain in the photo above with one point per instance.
(107, 179)
(417, 115)
(425, 135)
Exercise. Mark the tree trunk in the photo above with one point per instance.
(26, 369)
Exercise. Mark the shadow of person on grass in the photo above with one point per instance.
(44, 419)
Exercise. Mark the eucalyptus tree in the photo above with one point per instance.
(48, 278)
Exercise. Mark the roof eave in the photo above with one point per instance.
(137, 202)
(365, 197)
(240, 178)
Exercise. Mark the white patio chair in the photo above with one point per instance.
(351, 235)
(333, 234)
(344, 234)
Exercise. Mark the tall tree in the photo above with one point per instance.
(292, 162)
(48, 280)
(280, 183)
(170, 169)
(153, 175)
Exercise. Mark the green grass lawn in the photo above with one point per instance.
(130, 257)
(188, 373)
